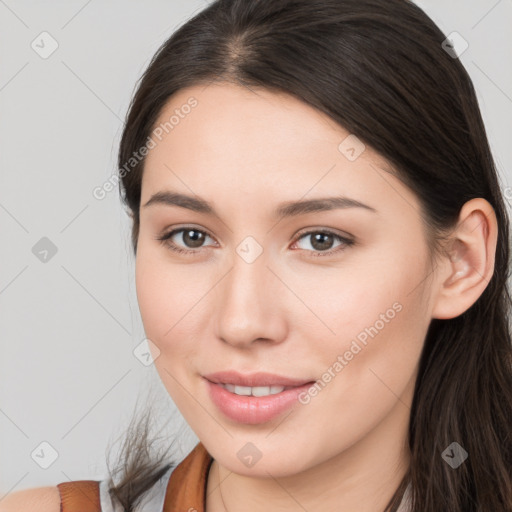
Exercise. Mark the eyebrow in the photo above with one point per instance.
(286, 209)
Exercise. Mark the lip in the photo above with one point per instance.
(251, 409)
(254, 379)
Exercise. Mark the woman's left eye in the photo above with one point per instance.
(320, 240)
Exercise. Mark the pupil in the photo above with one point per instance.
(319, 237)
(195, 241)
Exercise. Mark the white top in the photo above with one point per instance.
(153, 499)
(405, 505)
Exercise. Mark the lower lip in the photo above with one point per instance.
(253, 409)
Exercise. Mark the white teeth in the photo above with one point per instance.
(266, 390)
(254, 391)
(242, 390)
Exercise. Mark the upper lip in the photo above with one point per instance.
(254, 379)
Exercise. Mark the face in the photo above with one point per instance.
(331, 295)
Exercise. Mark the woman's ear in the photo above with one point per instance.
(468, 266)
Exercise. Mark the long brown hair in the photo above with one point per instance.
(377, 68)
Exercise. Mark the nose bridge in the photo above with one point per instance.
(249, 308)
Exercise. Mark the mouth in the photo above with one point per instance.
(254, 398)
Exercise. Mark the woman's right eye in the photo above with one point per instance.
(191, 237)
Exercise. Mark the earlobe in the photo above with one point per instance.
(469, 263)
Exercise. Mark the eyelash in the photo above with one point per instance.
(165, 240)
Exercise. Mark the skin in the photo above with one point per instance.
(288, 312)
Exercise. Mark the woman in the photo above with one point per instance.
(321, 266)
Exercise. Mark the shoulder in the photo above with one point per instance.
(39, 499)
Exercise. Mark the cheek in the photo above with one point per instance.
(376, 328)
(357, 302)
(166, 293)
(366, 370)
(154, 296)
(171, 300)
(168, 298)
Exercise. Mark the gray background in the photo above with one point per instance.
(69, 325)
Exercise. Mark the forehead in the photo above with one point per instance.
(228, 138)
(228, 119)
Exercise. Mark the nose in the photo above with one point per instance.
(251, 305)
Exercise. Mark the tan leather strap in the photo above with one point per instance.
(186, 490)
(80, 496)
